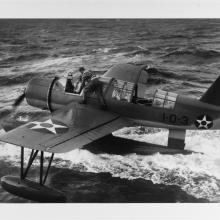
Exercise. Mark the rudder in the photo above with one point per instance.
(212, 95)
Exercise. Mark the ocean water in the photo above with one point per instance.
(186, 54)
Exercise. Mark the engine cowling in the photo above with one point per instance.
(38, 92)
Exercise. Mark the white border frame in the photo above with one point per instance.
(110, 9)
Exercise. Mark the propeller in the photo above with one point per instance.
(6, 122)
(18, 100)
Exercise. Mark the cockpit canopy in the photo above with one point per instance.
(129, 72)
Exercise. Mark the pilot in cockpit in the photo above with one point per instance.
(83, 79)
(75, 85)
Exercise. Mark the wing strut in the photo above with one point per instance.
(23, 187)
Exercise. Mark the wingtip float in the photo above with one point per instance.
(73, 125)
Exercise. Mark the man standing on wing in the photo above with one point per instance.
(92, 84)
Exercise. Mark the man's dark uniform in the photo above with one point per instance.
(69, 85)
(94, 85)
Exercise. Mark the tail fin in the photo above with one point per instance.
(212, 95)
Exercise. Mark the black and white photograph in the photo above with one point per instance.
(109, 109)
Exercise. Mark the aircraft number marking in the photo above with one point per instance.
(174, 119)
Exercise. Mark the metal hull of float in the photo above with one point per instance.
(31, 190)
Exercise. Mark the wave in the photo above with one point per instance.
(124, 49)
(35, 47)
(20, 79)
(186, 77)
(164, 73)
(106, 188)
(173, 36)
(103, 50)
(206, 81)
(23, 58)
(157, 81)
(137, 52)
(199, 53)
(193, 56)
(86, 187)
(191, 84)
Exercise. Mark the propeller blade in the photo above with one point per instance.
(19, 100)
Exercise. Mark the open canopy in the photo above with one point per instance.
(128, 72)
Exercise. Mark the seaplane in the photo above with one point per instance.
(71, 125)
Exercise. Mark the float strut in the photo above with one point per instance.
(48, 168)
(41, 167)
(22, 163)
(31, 159)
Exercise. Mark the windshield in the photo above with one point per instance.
(144, 76)
(60, 84)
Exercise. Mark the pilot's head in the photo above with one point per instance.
(70, 75)
(151, 70)
(81, 69)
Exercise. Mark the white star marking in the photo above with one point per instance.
(203, 123)
(51, 126)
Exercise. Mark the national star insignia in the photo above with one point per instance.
(205, 122)
(48, 124)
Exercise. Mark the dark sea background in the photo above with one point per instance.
(186, 54)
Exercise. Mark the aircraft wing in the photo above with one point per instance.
(66, 129)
